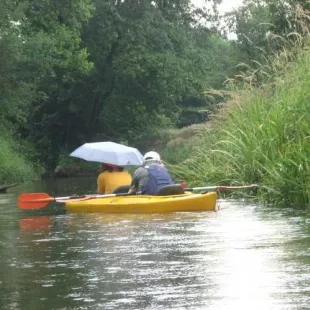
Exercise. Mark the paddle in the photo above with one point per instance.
(41, 200)
(220, 187)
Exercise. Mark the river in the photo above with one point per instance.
(242, 257)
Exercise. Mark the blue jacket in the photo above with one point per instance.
(158, 176)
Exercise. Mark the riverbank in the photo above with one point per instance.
(261, 136)
(14, 165)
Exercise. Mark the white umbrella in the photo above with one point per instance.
(109, 153)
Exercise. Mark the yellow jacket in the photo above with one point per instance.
(108, 181)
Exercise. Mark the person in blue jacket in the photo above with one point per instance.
(151, 176)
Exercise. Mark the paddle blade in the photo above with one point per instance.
(34, 200)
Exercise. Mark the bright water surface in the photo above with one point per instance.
(241, 257)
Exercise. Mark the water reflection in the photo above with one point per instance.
(35, 223)
(243, 256)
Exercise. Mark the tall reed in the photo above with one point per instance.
(264, 138)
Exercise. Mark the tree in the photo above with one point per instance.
(110, 69)
(263, 27)
(52, 39)
(15, 83)
(149, 56)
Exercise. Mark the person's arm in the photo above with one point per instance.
(134, 183)
(133, 186)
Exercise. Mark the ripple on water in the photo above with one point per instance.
(244, 256)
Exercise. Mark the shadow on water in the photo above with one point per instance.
(242, 257)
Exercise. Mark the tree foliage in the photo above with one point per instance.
(80, 70)
(263, 27)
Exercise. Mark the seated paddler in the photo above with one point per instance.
(112, 177)
(149, 178)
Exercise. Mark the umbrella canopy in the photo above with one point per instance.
(109, 153)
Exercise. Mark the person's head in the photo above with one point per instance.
(110, 167)
(151, 157)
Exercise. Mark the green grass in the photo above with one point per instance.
(263, 137)
(14, 168)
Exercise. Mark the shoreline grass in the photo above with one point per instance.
(14, 168)
(264, 138)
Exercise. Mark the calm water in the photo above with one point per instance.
(241, 257)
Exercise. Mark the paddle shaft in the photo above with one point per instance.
(220, 187)
(62, 199)
(88, 196)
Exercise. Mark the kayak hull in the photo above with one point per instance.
(145, 204)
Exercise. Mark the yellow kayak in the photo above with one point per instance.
(146, 204)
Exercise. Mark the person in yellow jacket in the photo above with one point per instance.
(112, 177)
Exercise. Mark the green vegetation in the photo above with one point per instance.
(151, 74)
(260, 133)
(13, 164)
(261, 136)
(98, 69)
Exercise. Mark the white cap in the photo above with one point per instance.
(151, 156)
